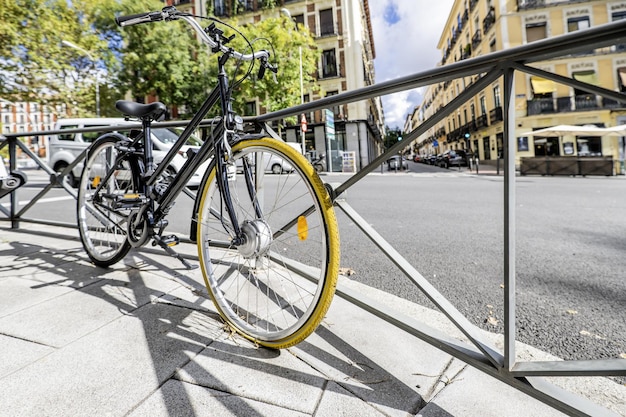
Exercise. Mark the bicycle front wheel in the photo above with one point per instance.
(275, 286)
(102, 221)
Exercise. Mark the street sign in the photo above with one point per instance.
(303, 125)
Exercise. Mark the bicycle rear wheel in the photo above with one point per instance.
(102, 225)
(275, 287)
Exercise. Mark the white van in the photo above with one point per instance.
(65, 147)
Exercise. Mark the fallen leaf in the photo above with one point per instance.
(346, 271)
(622, 355)
(493, 321)
(572, 312)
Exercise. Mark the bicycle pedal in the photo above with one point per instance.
(170, 240)
(130, 200)
(166, 242)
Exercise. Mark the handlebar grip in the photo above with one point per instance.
(135, 19)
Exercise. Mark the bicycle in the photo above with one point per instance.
(268, 245)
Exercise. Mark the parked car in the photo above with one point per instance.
(449, 159)
(65, 147)
(431, 159)
(465, 157)
(274, 164)
(396, 163)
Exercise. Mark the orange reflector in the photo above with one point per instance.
(131, 196)
(95, 182)
(303, 228)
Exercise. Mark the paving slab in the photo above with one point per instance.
(376, 362)
(181, 399)
(239, 367)
(18, 353)
(111, 370)
(74, 314)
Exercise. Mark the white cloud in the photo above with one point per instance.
(407, 46)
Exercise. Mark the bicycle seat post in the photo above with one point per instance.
(146, 123)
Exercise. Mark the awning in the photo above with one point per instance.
(542, 86)
(589, 77)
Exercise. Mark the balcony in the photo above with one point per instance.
(586, 102)
(472, 4)
(495, 115)
(476, 39)
(481, 121)
(327, 30)
(582, 102)
(489, 20)
(530, 4)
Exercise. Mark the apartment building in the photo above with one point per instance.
(478, 27)
(22, 117)
(343, 32)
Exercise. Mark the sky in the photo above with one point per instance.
(406, 33)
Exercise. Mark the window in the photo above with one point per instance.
(299, 19)
(589, 146)
(621, 79)
(496, 96)
(335, 109)
(619, 16)
(492, 45)
(578, 23)
(67, 136)
(536, 31)
(250, 109)
(483, 106)
(329, 63)
(219, 8)
(327, 26)
(473, 111)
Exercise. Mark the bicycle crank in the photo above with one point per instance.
(138, 230)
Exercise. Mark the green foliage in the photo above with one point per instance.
(162, 59)
(34, 65)
(392, 136)
(279, 36)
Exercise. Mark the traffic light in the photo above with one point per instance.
(467, 135)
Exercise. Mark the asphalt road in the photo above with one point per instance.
(570, 246)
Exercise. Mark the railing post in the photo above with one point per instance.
(15, 224)
(509, 218)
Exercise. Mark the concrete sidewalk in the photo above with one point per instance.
(142, 339)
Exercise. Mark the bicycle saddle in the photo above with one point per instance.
(152, 111)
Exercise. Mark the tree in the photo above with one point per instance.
(392, 136)
(34, 65)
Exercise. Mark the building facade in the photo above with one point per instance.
(478, 27)
(23, 117)
(342, 30)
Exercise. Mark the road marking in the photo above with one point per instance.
(43, 200)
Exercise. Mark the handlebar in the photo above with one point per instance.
(171, 13)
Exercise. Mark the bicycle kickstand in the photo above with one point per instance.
(166, 243)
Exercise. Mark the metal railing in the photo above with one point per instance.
(525, 376)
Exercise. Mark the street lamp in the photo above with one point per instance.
(288, 14)
(93, 63)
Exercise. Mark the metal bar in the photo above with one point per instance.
(597, 367)
(15, 224)
(509, 218)
(582, 40)
(446, 110)
(435, 296)
(572, 82)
